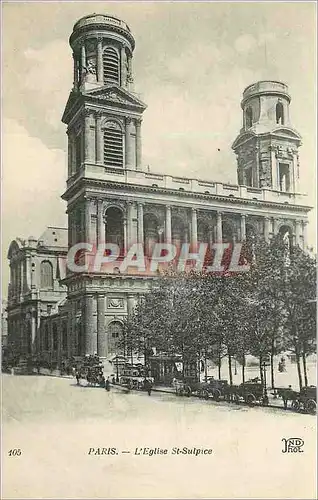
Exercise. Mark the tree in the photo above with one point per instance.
(299, 289)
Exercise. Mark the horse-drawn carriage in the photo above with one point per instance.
(90, 369)
(135, 377)
(304, 400)
(251, 392)
(215, 388)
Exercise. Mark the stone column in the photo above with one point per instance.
(88, 325)
(87, 220)
(75, 82)
(70, 330)
(305, 238)
(128, 148)
(100, 223)
(275, 226)
(130, 304)
(298, 231)
(219, 232)
(256, 175)
(100, 75)
(99, 140)
(168, 234)
(83, 60)
(243, 227)
(274, 168)
(33, 332)
(138, 144)
(140, 215)
(123, 75)
(101, 334)
(296, 171)
(194, 229)
(129, 224)
(266, 228)
(125, 221)
(88, 138)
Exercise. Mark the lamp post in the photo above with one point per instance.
(117, 373)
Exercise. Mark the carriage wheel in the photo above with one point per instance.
(311, 406)
(216, 394)
(295, 405)
(250, 399)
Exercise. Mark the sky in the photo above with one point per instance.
(191, 64)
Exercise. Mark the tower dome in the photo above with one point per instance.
(265, 105)
(102, 51)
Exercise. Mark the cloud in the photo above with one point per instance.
(245, 43)
(33, 178)
(49, 76)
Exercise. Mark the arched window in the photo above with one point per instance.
(249, 117)
(46, 274)
(111, 65)
(115, 227)
(113, 145)
(279, 113)
(115, 332)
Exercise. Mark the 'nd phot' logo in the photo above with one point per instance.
(293, 445)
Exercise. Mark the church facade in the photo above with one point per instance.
(111, 198)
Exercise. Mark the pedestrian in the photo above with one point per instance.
(148, 386)
(107, 384)
(77, 375)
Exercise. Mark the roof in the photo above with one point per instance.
(54, 237)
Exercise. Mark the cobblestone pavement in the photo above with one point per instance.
(56, 424)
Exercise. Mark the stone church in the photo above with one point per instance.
(110, 197)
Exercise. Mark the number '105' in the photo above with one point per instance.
(15, 452)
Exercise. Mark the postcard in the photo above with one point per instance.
(159, 250)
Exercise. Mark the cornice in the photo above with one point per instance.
(84, 182)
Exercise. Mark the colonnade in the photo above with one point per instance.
(134, 216)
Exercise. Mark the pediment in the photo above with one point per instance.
(113, 94)
(287, 133)
(243, 138)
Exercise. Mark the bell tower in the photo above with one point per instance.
(267, 146)
(103, 113)
(103, 117)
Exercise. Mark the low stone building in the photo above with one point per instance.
(37, 267)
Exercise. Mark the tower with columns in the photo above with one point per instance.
(267, 146)
(111, 198)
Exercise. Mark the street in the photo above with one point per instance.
(55, 424)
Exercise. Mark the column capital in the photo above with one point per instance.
(138, 122)
(243, 216)
(99, 39)
(128, 120)
(98, 113)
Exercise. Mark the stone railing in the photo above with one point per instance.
(185, 184)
